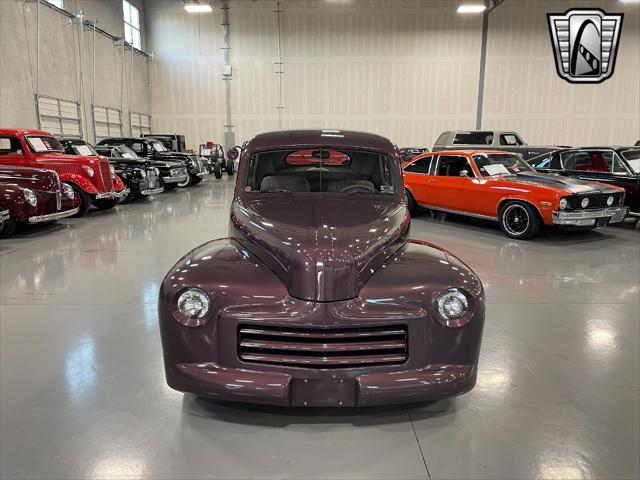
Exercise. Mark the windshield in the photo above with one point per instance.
(158, 146)
(83, 149)
(321, 170)
(491, 164)
(41, 144)
(126, 152)
(632, 156)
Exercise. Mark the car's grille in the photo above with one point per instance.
(323, 348)
(152, 179)
(105, 173)
(595, 201)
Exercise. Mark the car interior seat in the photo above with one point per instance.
(285, 182)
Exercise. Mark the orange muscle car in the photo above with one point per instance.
(501, 186)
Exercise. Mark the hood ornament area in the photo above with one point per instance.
(585, 44)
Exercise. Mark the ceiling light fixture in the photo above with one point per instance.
(197, 7)
(472, 8)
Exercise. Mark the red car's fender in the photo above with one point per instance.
(79, 181)
(118, 185)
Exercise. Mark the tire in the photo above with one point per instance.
(229, 167)
(105, 204)
(7, 227)
(186, 183)
(414, 208)
(519, 220)
(217, 170)
(169, 186)
(195, 180)
(85, 201)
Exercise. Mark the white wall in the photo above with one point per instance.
(524, 92)
(407, 69)
(59, 61)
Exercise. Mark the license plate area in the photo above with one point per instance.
(323, 393)
(601, 222)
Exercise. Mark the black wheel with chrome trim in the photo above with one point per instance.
(519, 220)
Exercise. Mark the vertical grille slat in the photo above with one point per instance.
(105, 173)
(323, 348)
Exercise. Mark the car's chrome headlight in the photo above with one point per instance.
(453, 305)
(68, 190)
(193, 305)
(30, 197)
(563, 204)
(89, 170)
(584, 203)
(143, 174)
(610, 200)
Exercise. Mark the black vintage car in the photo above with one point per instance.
(141, 177)
(170, 173)
(618, 166)
(153, 149)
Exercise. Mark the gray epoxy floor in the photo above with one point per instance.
(83, 394)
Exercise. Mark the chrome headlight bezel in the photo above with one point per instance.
(68, 191)
(89, 170)
(453, 307)
(563, 204)
(584, 203)
(30, 196)
(610, 200)
(194, 315)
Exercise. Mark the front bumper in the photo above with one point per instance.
(152, 191)
(112, 195)
(275, 388)
(202, 174)
(53, 216)
(586, 218)
(176, 179)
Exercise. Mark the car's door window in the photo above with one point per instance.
(138, 147)
(453, 166)
(618, 166)
(597, 161)
(510, 139)
(473, 138)
(422, 165)
(10, 146)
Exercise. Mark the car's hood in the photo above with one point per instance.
(33, 178)
(568, 184)
(165, 164)
(322, 247)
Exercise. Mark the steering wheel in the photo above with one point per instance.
(358, 188)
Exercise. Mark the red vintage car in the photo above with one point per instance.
(32, 196)
(501, 186)
(91, 177)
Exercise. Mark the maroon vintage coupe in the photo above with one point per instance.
(318, 297)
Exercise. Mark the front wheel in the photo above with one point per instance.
(106, 204)
(519, 220)
(85, 201)
(169, 186)
(7, 227)
(217, 170)
(196, 180)
(229, 167)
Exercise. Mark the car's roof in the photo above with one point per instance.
(23, 131)
(319, 138)
(469, 151)
(480, 131)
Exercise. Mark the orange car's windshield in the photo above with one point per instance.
(495, 164)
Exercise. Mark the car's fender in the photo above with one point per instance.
(12, 198)
(80, 181)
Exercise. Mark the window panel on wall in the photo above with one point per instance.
(57, 3)
(107, 121)
(131, 17)
(140, 124)
(59, 116)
